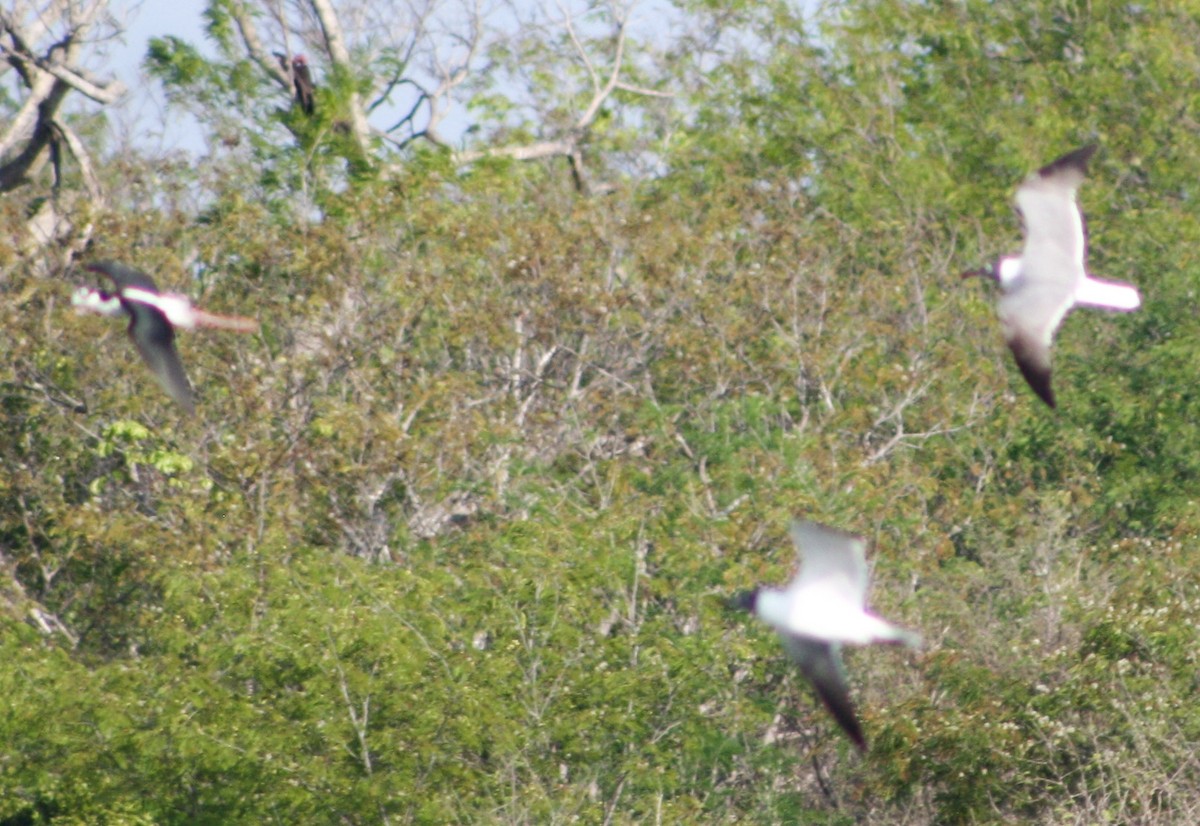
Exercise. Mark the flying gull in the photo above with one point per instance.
(153, 317)
(822, 608)
(1049, 278)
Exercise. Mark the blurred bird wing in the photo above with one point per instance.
(154, 338)
(821, 664)
(830, 559)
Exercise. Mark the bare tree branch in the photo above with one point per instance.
(107, 92)
(42, 104)
(44, 46)
(415, 61)
(59, 63)
(254, 46)
(81, 156)
(604, 82)
(521, 152)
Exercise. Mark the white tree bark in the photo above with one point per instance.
(335, 43)
(45, 45)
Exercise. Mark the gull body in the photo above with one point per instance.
(821, 609)
(1049, 278)
(153, 317)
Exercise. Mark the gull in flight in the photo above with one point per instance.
(1048, 278)
(153, 317)
(821, 609)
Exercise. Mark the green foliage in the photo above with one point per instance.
(238, 104)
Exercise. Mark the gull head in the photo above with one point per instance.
(89, 300)
(1004, 272)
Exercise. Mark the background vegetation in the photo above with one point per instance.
(448, 539)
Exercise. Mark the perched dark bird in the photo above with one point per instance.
(1049, 277)
(153, 317)
(822, 608)
(302, 81)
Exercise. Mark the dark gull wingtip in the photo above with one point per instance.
(1074, 161)
(1034, 363)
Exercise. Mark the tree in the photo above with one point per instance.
(547, 81)
(46, 47)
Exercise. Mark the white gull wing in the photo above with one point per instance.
(832, 562)
(824, 602)
(1052, 265)
(1052, 262)
(1054, 238)
(1030, 314)
(821, 664)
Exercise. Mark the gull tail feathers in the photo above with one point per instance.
(237, 323)
(1107, 295)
